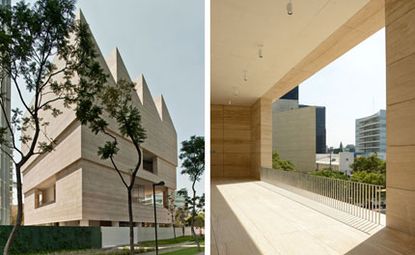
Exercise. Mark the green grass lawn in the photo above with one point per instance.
(186, 251)
(92, 252)
(180, 239)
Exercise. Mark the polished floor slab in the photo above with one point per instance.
(254, 217)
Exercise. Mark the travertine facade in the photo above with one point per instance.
(294, 137)
(298, 131)
(73, 186)
(400, 122)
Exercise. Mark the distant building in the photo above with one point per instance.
(5, 161)
(298, 131)
(323, 161)
(350, 148)
(339, 162)
(371, 135)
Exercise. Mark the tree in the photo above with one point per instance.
(114, 102)
(181, 215)
(200, 218)
(369, 164)
(192, 155)
(327, 172)
(199, 221)
(199, 202)
(376, 178)
(350, 148)
(172, 211)
(31, 36)
(278, 163)
(341, 147)
(370, 170)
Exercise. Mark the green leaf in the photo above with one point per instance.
(108, 150)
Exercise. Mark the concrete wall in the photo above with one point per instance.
(400, 73)
(294, 136)
(346, 159)
(104, 197)
(241, 139)
(261, 124)
(113, 236)
(68, 205)
(231, 141)
(216, 140)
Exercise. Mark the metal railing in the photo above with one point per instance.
(362, 200)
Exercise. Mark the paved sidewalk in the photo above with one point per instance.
(173, 247)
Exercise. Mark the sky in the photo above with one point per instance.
(164, 41)
(351, 87)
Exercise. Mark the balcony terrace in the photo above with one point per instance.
(256, 217)
(252, 216)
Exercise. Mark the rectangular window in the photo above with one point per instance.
(45, 196)
(145, 195)
(149, 162)
(148, 165)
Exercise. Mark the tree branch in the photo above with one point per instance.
(112, 159)
(137, 167)
(9, 127)
(119, 172)
(52, 75)
(32, 147)
(51, 101)
(20, 95)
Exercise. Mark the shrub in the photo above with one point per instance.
(330, 174)
(47, 239)
(278, 163)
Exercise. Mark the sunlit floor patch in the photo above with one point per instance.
(250, 217)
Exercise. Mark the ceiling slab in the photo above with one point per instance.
(239, 28)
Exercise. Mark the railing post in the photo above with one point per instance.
(361, 200)
(355, 198)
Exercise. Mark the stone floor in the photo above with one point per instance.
(254, 217)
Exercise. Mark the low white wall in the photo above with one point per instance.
(114, 236)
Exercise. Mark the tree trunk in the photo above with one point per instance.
(19, 218)
(172, 223)
(193, 217)
(130, 217)
(195, 237)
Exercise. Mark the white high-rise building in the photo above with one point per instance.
(371, 135)
(5, 163)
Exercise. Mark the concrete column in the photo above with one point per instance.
(84, 223)
(400, 61)
(261, 126)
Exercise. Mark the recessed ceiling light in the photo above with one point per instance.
(290, 8)
(260, 55)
